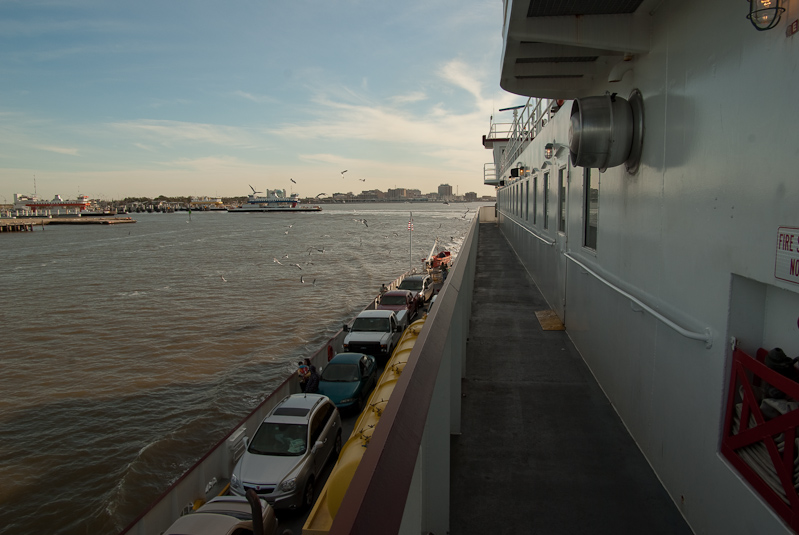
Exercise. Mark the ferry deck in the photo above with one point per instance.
(540, 445)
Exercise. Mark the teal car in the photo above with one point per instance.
(348, 379)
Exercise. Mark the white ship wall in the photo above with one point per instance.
(692, 234)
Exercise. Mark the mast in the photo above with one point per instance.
(410, 243)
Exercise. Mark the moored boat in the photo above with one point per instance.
(32, 203)
(275, 200)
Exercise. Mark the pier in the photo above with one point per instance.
(28, 223)
(17, 226)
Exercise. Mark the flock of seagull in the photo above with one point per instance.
(311, 250)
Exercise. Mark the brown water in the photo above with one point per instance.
(124, 355)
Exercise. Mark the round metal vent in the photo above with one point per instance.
(606, 131)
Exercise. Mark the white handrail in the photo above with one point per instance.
(536, 235)
(706, 337)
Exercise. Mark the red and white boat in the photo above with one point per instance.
(33, 204)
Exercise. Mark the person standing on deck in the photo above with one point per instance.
(312, 385)
(304, 372)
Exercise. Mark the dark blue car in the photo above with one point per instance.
(348, 379)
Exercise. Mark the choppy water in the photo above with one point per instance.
(124, 355)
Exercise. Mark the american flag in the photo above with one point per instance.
(410, 225)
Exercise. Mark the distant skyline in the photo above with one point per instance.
(114, 99)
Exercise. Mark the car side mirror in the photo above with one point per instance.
(317, 446)
(398, 328)
(345, 328)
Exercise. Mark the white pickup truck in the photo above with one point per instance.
(375, 332)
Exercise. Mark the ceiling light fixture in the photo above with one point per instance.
(764, 14)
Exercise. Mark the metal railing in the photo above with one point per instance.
(527, 124)
(490, 176)
(511, 217)
(705, 336)
(763, 449)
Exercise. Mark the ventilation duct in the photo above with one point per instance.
(607, 131)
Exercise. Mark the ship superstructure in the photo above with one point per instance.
(275, 200)
(32, 203)
(654, 207)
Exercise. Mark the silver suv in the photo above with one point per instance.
(289, 450)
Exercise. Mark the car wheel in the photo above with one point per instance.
(308, 494)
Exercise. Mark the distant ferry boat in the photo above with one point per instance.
(206, 203)
(274, 201)
(33, 204)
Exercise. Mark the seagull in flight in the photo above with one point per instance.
(297, 266)
(342, 173)
(362, 179)
(223, 279)
(293, 180)
(277, 261)
(361, 221)
(320, 195)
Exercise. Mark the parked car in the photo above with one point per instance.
(374, 332)
(398, 300)
(289, 450)
(348, 379)
(224, 515)
(420, 285)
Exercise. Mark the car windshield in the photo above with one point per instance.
(415, 285)
(279, 439)
(393, 300)
(377, 325)
(340, 373)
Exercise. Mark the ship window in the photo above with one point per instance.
(591, 206)
(526, 200)
(535, 199)
(561, 200)
(546, 200)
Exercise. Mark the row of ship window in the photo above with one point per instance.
(522, 200)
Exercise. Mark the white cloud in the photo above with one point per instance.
(170, 132)
(259, 99)
(59, 150)
(458, 73)
(415, 96)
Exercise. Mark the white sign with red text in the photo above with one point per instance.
(786, 266)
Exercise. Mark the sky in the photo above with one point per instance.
(117, 98)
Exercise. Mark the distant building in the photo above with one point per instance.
(398, 193)
(372, 195)
(445, 192)
(470, 196)
(413, 193)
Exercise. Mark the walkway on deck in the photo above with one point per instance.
(541, 449)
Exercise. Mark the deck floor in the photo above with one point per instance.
(542, 450)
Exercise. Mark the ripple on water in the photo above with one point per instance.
(132, 356)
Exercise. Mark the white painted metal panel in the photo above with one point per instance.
(716, 182)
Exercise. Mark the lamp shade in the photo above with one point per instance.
(764, 14)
